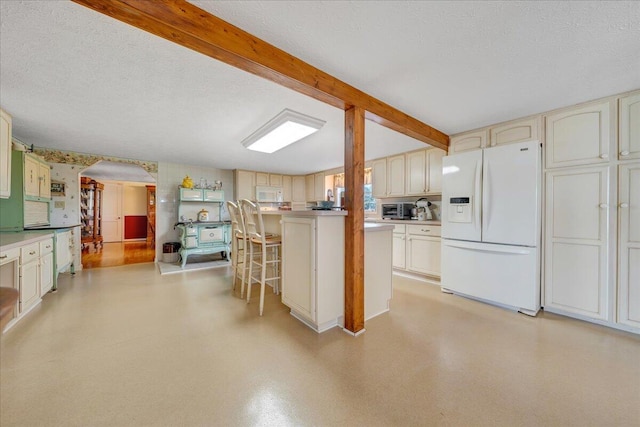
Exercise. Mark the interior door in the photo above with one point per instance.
(511, 194)
(112, 229)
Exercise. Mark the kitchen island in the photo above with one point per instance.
(313, 265)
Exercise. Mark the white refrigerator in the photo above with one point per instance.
(491, 225)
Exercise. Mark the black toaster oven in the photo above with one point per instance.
(400, 210)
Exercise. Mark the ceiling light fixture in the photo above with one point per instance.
(284, 129)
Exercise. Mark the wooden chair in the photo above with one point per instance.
(264, 252)
(238, 245)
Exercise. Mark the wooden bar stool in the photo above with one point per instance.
(264, 252)
(238, 245)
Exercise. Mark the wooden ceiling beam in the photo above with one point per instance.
(189, 26)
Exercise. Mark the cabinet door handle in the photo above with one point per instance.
(426, 231)
(4, 256)
(48, 246)
(32, 253)
(604, 205)
(624, 153)
(624, 205)
(604, 156)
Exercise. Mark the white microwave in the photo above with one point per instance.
(268, 194)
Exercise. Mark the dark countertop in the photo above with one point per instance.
(203, 223)
(52, 227)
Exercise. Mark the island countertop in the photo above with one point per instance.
(306, 213)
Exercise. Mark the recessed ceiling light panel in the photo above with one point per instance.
(284, 129)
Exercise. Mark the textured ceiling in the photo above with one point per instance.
(77, 80)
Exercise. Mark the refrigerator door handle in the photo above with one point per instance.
(477, 192)
(483, 247)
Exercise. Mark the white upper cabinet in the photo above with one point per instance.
(629, 122)
(379, 178)
(318, 186)
(468, 141)
(310, 188)
(298, 189)
(5, 155)
(518, 131)
(434, 161)
(262, 178)
(424, 172)
(286, 188)
(275, 180)
(31, 181)
(395, 176)
(245, 185)
(417, 173)
(268, 179)
(45, 180)
(629, 245)
(579, 136)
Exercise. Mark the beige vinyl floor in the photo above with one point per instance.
(125, 346)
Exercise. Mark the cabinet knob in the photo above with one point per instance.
(604, 205)
(624, 205)
(624, 153)
(604, 156)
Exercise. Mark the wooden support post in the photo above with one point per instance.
(354, 225)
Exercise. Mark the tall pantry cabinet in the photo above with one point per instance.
(592, 216)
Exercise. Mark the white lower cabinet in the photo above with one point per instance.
(423, 249)
(416, 248)
(629, 246)
(28, 267)
(313, 269)
(578, 203)
(399, 247)
(46, 266)
(29, 276)
(10, 273)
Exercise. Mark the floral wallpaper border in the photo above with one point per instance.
(70, 157)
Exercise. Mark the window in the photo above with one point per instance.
(370, 204)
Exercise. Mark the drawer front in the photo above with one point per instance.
(8, 255)
(46, 246)
(424, 230)
(399, 228)
(29, 253)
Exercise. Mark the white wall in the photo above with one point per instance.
(135, 199)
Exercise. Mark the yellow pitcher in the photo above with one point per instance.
(187, 182)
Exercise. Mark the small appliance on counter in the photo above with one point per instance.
(400, 210)
(422, 210)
